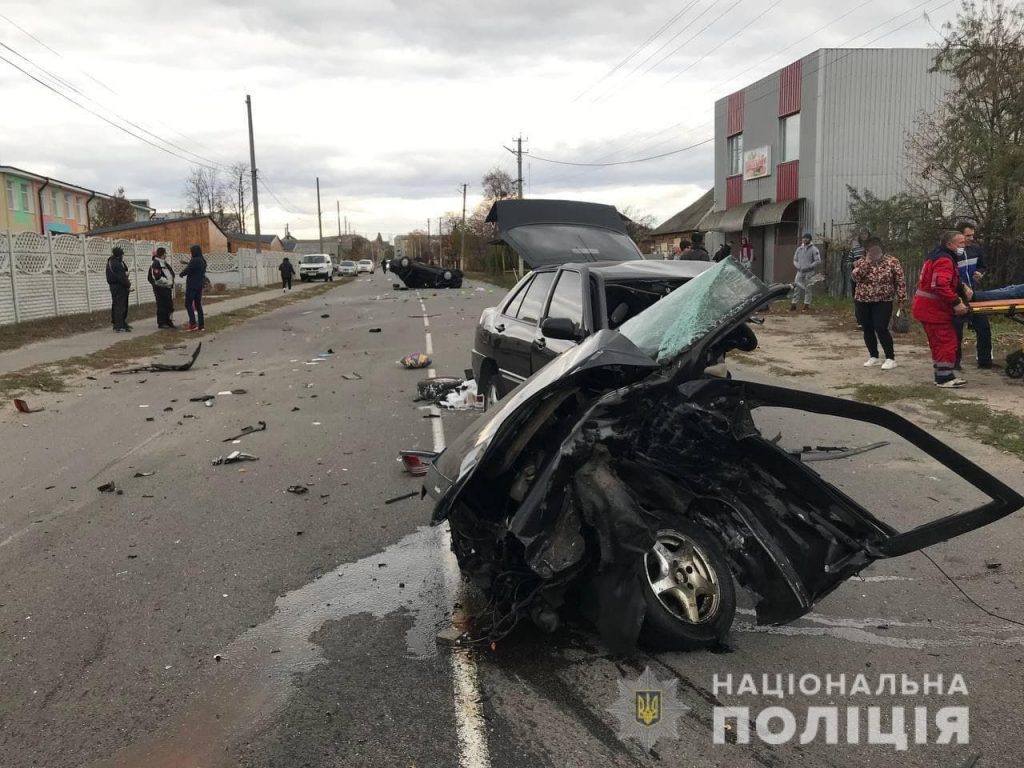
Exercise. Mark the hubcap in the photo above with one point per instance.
(681, 577)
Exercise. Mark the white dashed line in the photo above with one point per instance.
(469, 720)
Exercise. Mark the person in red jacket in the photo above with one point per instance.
(937, 302)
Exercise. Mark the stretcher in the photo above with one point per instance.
(1013, 309)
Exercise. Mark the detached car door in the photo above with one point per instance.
(568, 303)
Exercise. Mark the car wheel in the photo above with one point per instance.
(688, 588)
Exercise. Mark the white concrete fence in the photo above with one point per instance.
(50, 275)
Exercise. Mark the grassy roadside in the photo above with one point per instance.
(1000, 429)
(502, 279)
(16, 335)
(52, 377)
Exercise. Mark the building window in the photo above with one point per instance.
(81, 212)
(26, 199)
(69, 206)
(734, 147)
(54, 203)
(11, 203)
(790, 138)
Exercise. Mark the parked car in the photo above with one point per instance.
(316, 266)
(348, 269)
(627, 480)
(587, 276)
(365, 265)
(416, 274)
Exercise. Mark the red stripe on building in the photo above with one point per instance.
(733, 191)
(734, 118)
(790, 87)
(787, 181)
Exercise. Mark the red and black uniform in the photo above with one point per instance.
(938, 292)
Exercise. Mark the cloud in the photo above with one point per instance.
(395, 103)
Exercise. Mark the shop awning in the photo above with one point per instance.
(776, 213)
(731, 219)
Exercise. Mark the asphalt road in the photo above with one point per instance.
(208, 617)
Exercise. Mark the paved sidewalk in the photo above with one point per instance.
(143, 320)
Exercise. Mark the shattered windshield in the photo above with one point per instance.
(693, 310)
(541, 244)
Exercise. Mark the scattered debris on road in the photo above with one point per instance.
(833, 452)
(262, 427)
(437, 388)
(464, 398)
(417, 462)
(375, 330)
(324, 317)
(403, 497)
(233, 458)
(351, 376)
(107, 488)
(418, 360)
(201, 398)
(144, 474)
(23, 407)
(162, 367)
(298, 490)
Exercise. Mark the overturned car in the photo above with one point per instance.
(626, 479)
(416, 274)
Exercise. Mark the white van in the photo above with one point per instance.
(316, 266)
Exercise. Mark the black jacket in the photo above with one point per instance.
(286, 269)
(117, 272)
(697, 253)
(195, 271)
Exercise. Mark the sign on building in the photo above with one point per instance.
(757, 163)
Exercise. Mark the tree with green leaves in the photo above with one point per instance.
(971, 148)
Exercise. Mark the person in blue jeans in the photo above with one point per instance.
(971, 266)
(195, 277)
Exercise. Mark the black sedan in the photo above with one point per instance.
(416, 274)
(587, 276)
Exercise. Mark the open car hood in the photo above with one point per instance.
(612, 431)
(554, 232)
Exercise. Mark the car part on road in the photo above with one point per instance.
(162, 367)
(418, 360)
(436, 388)
(262, 427)
(297, 489)
(351, 376)
(831, 453)
(402, 497)
(22, 407)
(107, 488)
(374, 330)
(201, 398)
(417, 462)
(144, 474)
(233, 458)
(558, 495)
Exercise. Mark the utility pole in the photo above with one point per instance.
(255, 195)
(462, 232)
(339, 218)
(428, 241)
(518, 152)
(319, 215)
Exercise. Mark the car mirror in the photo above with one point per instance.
(560, 328)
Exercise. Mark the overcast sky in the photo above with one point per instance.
(395, 104)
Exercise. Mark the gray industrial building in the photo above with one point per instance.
(787, 146)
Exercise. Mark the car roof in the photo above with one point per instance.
(641, 269)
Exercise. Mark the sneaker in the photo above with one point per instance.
(889, 364)
(192, 328)
(806, 307)
(872, 362)
(952, 383)
(792, 307)
(120, 330)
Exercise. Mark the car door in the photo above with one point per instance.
(518, 328)
(566, 302)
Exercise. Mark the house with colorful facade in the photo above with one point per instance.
(30, 202)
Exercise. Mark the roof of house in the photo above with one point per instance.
(268, 239)
(56, 182)
(150, 223)
(688, 218)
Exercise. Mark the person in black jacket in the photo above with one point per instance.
(287, 272)
(195, 277)
(117, 279)
(161, 277)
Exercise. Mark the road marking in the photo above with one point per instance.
(430, 345)
(469, 720)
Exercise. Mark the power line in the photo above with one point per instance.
(695, 62)
(101, 117)
(625, 162)
(289, 207)
(635, 51)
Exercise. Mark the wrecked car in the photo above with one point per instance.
(627, 479)
(587, 275)
(416, 274)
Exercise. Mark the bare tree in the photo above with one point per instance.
(206, 191)
(498, 185)
(239, 201)
(112, 212)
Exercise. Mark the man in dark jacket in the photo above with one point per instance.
(697, 251)
(971, 268)
(161, 277)
(195, 277)
(287, 272)
(724, 251)
(117, 279)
